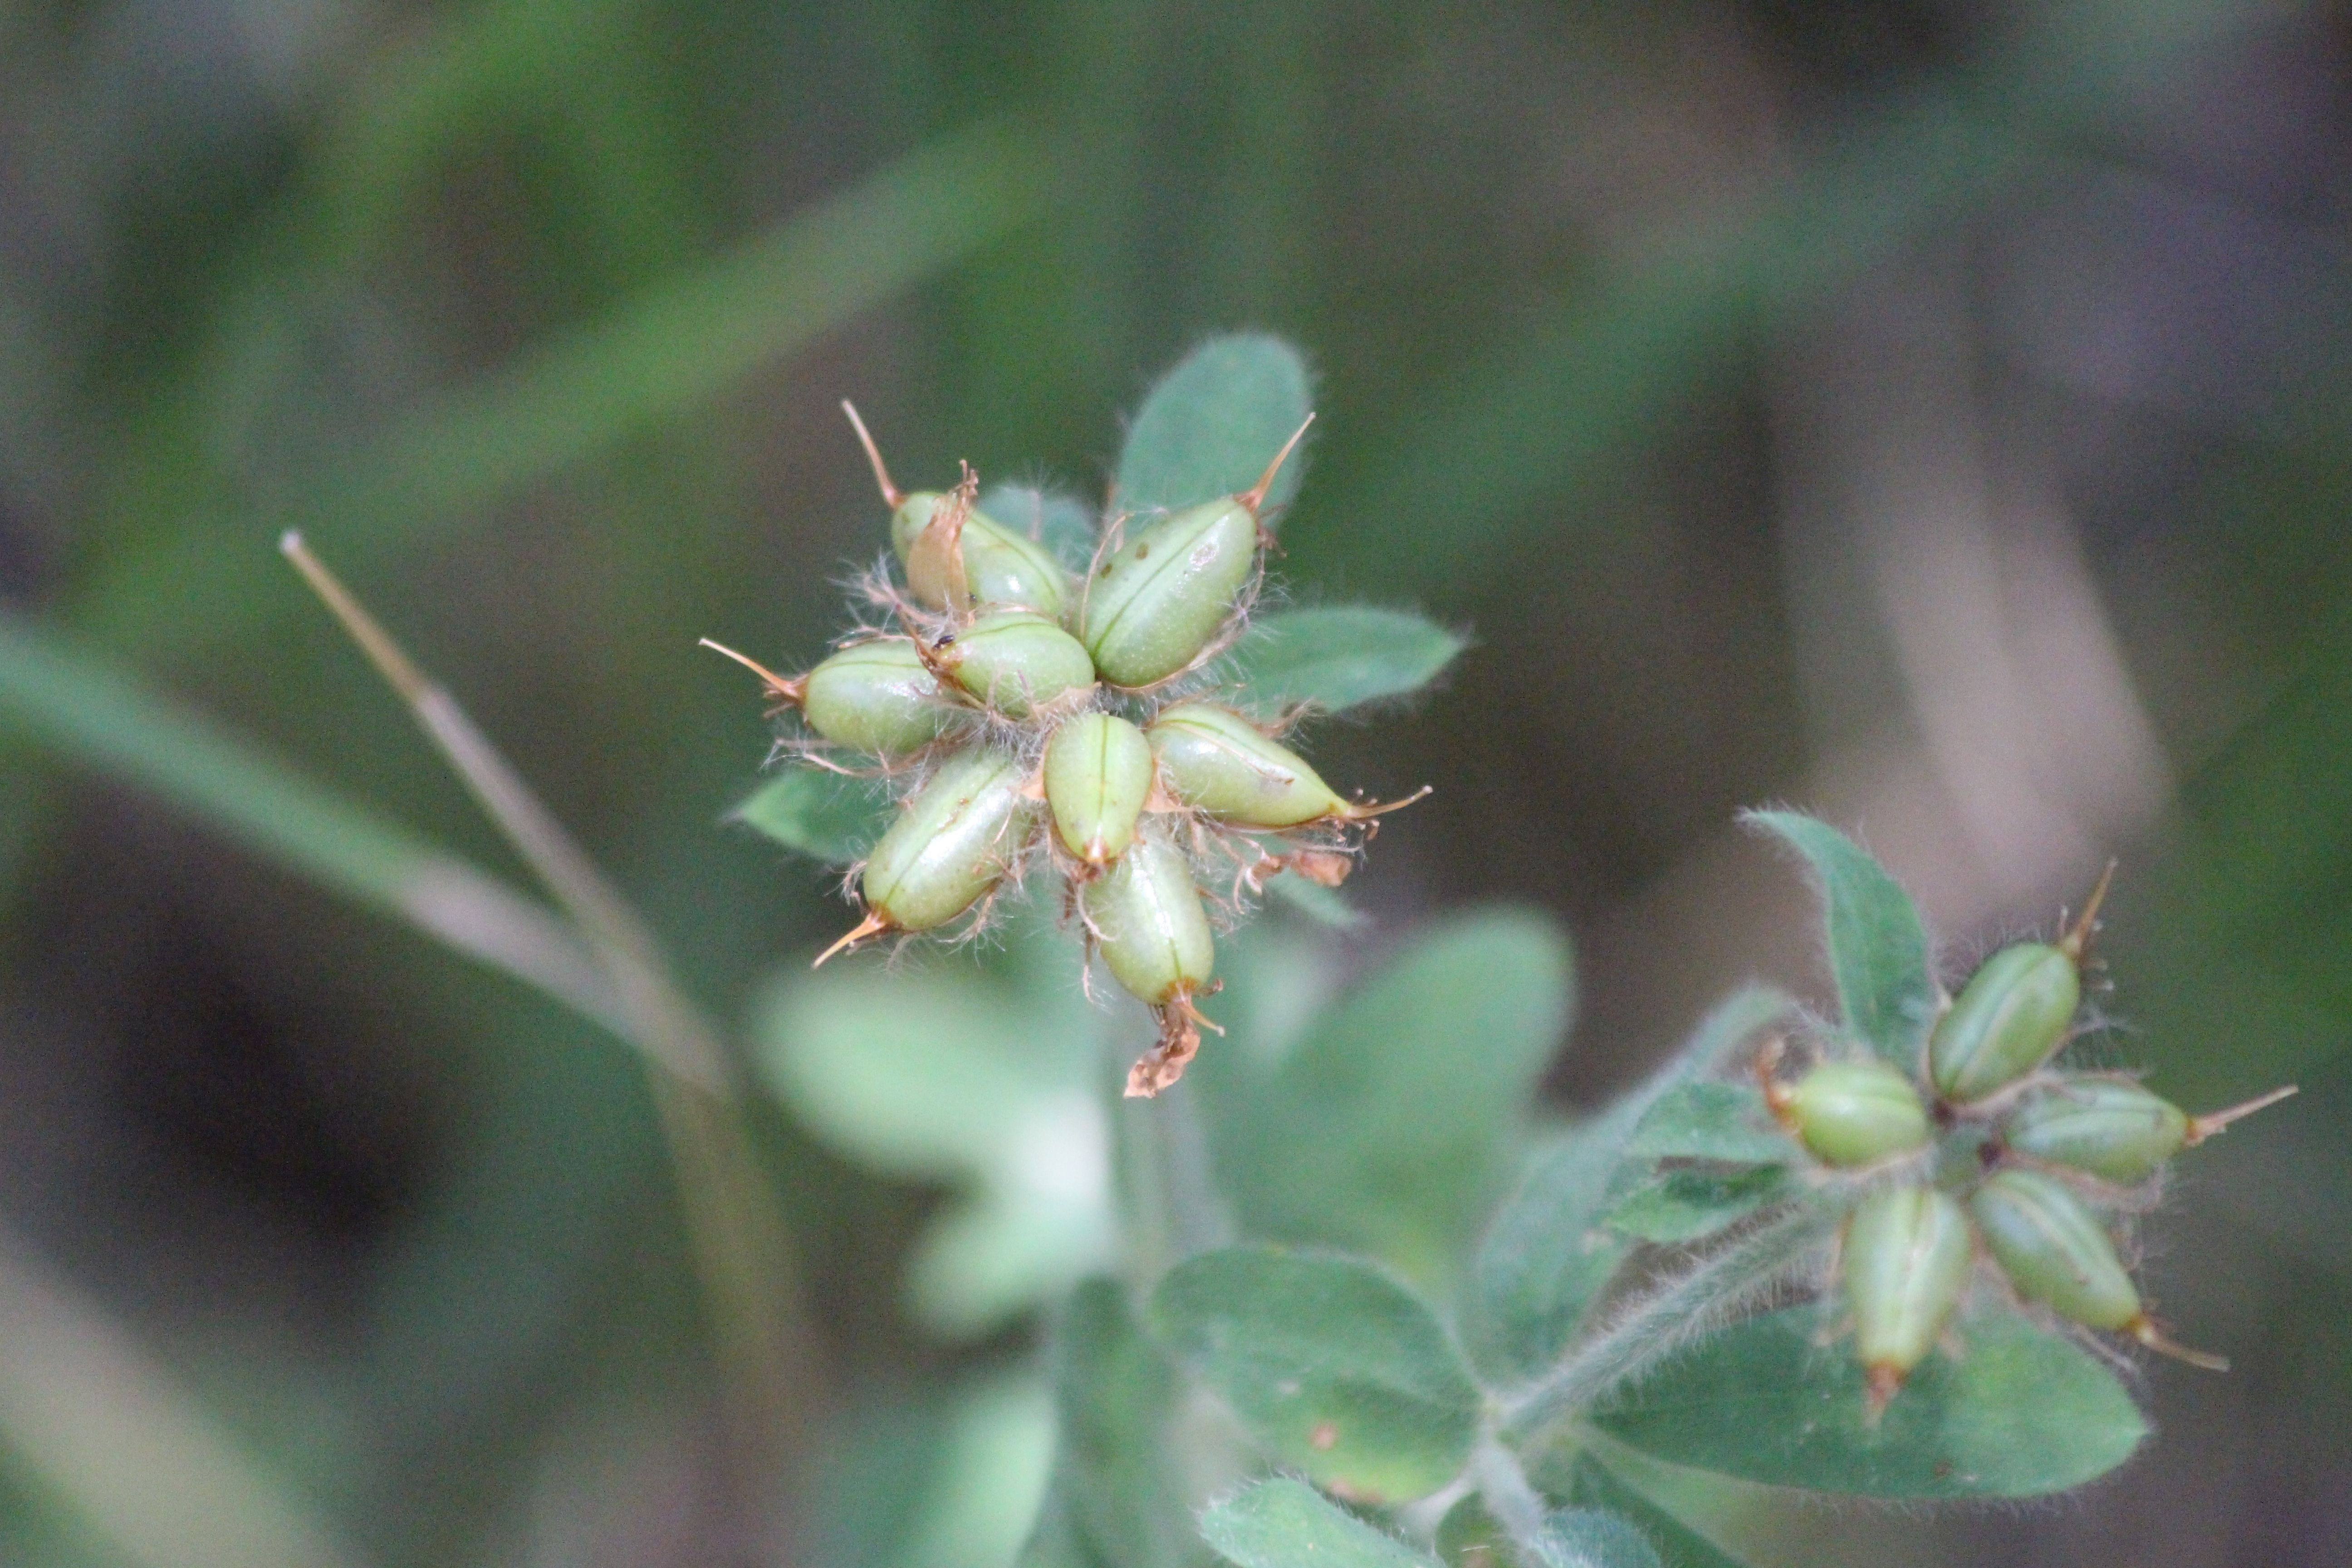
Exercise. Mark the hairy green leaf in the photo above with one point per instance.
(2023, 1413)
(1878, 948)
(1687, 1205)
(826, 816)
(1712, 1121)
(1063, 524)
(1336, 657)
(1593, 1538)
(1213, 424)
(1333, 1366)
(1389, 1127)
(1547, 1254)
(1284, 1523)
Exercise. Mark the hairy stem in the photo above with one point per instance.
(1707, 1294)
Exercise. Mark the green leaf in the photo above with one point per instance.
(1336, 657)
(1063, 524)
(1390, 1127)
(1213, 423)
(1591, 1484)
(1113, 1391)
(1333, 1366)
(2023, 1413)
(1547, 1255)
(950, 1077)
(1879, 949)
(1687, 1205)
(1711, 1120)
(826, 816)
(1284, 1523)
(1593, 1538)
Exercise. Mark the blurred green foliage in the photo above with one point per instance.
(533, 315)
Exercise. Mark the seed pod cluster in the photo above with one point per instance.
(1990, 1154)
(1030, 717)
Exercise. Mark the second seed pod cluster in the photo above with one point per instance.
(1990, 1151)
(1031, 716)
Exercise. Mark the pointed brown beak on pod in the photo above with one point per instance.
(1147, 919)
(959, 558)
(956, 840)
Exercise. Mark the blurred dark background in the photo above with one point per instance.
(1939, 415)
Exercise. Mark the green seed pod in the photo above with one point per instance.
(1148, 918)
(2107, 1127)
(964, 559)
(2054, 1250)
(1906, 1256)
(1157, 601)
(1216, 760)
(1854, 1113)
(954, 842)
(2113, 1127)
(875, 696)
(1016, 662)
(2013, 1014)
(1097, 777)
(957, 557)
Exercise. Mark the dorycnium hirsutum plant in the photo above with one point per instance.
(1884, 1251)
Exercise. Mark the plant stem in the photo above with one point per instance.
(734, 1227)
(1707, 1294)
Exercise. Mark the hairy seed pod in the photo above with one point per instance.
(1906, 1256)
(1097, 777)
(963, 558)
(957, 557)
(2113, 1128)
(2107, 1127)
(1148, 918)
(1216, 760)
(1016, 662)
(1854, 1113)
(875, 696)
(2011, 1017)
(2055, 1250)
(954, 842)
(1160, 599)
(2013, 1014)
